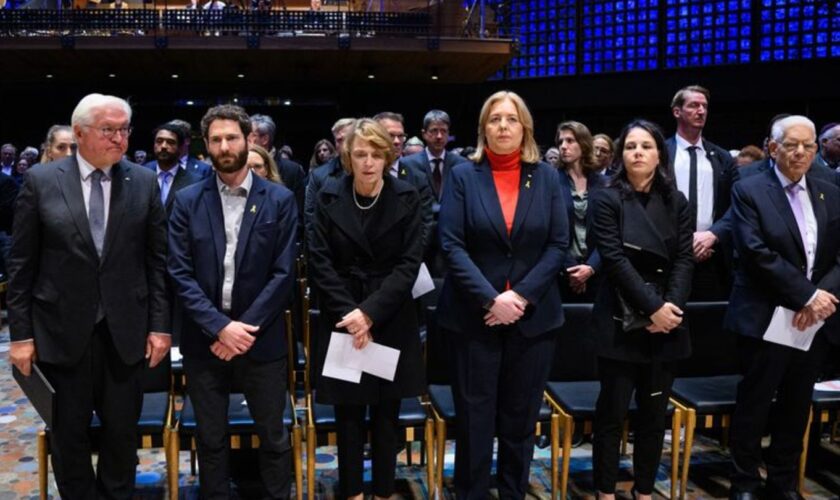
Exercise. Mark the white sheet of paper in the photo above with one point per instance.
(828, 386)
(333, 365)
(423, 284)
(175, 354)
(781, 330)
(376, 359)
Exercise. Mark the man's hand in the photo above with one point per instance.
(578, 275)
(221, 351)
(823, 305)
(704, 241)
(157, 347)
(803, 319)
(237, 337)
(22, 355)
(507, 308)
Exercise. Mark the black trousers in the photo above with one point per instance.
(619, 379)
(100, 382)
(788, 374)
(351, 433)
(500, 378)
(264, 384)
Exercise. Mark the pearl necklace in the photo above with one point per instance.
(375, 199)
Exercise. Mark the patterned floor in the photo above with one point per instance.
(19, 425)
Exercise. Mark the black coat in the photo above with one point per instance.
(374, 275)
(641, 244)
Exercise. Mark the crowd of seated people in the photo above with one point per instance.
(638, 223)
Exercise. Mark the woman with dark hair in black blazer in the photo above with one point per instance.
(643, 231)
(580, 178)
(503, 233)
(364, 258)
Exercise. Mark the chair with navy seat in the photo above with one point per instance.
(413, 418)
(572, 391)
(241, 426)
(154, 429)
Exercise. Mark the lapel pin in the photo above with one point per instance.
(528, 182)
(402, 172)
(253, 209)
(822, 197)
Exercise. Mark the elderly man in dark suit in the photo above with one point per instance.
(785, 227)
(87, 294)
(704, 173)
(231, 255)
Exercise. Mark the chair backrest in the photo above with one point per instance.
(574, 350)
(714, 351)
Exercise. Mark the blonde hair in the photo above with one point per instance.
(530, 152)
(373, 133)
(272, 173)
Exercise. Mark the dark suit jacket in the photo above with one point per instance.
(482, 258)
(641, 244)
(771, 270)
(293, 176)
(375, 274)
(594, 181)
(265, 255)
(725, 175)
(420, 162)
(193, 166)
(57, 279)
(8, 194)
(183, 178)
(317, 178)
(427, 201)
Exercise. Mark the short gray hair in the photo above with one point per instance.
(83, 114)
(264, 125)
(777, 133)
(341, 124)
(436, 115)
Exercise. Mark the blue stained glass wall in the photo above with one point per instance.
(703, 33)
(619, 35)
(799, 29)
(546, 38)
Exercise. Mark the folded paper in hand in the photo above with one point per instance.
(781, 330)
(345, 362)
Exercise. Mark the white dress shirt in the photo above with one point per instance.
(705, 180)
(233, 208)
(85, 169)
(810, 219)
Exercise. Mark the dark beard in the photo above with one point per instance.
(237, 165)
(166, 158)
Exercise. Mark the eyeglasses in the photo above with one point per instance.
(109, 132)
(791, 147)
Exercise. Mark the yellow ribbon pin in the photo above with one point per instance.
(253, 209)
(822, 196)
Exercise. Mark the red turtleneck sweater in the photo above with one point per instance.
(506, 173)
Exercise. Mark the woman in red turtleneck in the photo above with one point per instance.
(504, 232)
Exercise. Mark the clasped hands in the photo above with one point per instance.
(665, 319)
(508, 307)
(358, 324)
(704, 242)
(823, 306)
(578, 275)
(234, 339)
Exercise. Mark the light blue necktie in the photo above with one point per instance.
(165, 184)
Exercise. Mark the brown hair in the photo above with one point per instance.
(679, 97)
(584, 139)
(373, 133)
(272, 173)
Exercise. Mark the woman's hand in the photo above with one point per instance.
(358, 324)
(665, 319)
(507, 308)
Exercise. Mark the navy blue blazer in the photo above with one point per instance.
(482, 258)
(193, 166)
(265, 255)
(771, 270)
(594, 181)
(420, 163)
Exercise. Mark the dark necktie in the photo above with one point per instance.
(437, 175)
(96, 210)
(692, 184)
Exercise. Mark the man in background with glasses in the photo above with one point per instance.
(87, 295)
